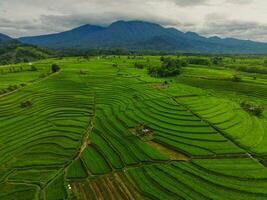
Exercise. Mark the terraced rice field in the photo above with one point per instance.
(78, 140)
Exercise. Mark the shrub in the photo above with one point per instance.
(12, 87)
(43, 75)
(198, 61)
(252, 108)
(3, 91)
(236, 78)
(55, 68)
(143, 130)
(217, 60)
(86, 57)
(259, 70)
(82, 72)
(169, 67)
(139, 66)
(26, 104)
(33, 68)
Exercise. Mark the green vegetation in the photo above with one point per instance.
(55, 68)
(12, 52)
(169, 67)
(94, 130)
(198, 61)
(26, 104)
(139, 65)
(236, 78)
(254, 109)
(144, 132)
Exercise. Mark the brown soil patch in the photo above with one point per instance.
(160, 86)
(111, 187)
(173, 155)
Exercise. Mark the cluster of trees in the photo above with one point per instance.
(236, 78)
(142, 130)
(205, 61)
(169, 67)
(256, 110)
(18, 69)
(139, 65)
(33, 68)
(10, 88)
(26, 104)
(259, 70)
(217, 60)
(12, 52)
(198, 61)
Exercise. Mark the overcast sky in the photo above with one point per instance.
(246, 19)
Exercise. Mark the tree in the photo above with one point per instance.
(256, 110)
(12, 87)
(198, 61)
(55, 68)
(236, 78)
(217, 60)
(26, 104)
(139, 66)
(33, 68)
(169, 67)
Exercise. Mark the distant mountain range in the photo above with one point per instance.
(4, 38)
(139, 35)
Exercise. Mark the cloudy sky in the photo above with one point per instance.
(245, 19)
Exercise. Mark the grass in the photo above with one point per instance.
(76, 139)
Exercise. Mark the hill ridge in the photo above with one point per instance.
(141, 35)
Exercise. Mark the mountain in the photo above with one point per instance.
(60, 39)
(139, 35)
(4, 37)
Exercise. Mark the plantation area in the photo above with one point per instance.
(103, 128)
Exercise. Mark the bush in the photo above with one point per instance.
(217, 60)
(33, 68)
(236, 78)
(82, 72)
(25, 104)
(169, 67)
(43, 75)
(252, 108)
(198, 61)
(259, 70)
(12, 87)
(143, 130)
(3, 91)
(55, 68)
(139, 66)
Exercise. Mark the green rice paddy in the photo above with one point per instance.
(77, 140)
